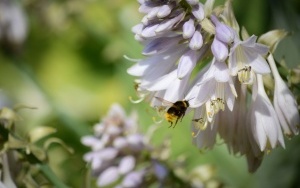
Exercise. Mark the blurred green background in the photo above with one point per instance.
(71, 67)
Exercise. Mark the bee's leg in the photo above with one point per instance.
(176, 122)
(171, 124)
(182, 117)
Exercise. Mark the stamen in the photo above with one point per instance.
(137, 100)
(131, 59)
(200, 125)
(213, 107)
(161, 110)
(157, 121)
(245, 75)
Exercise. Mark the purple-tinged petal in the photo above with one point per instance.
(250, 42)
(107, 153)
(219, 50)
(168, 24)
(136, 141)
(126, 164)
(144, 9)
(223, 32)
(89, 140)
(260, 65)
(187, 62)
(160, 171)
(188, 29)
(137, 29)
(196, 41)
(221, 74)
(162, 82)
(198, 11)
(192, 2)
(120, 142)
(164, 11)
(152, 14)
(96, 163)
(109, 176)
(160, 45)
(149, 31)
(133, 179)
(175, 90)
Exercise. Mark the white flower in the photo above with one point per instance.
(263, 118)
(284, 103)
(214, 88)
(246, 57)
(233, 129)
(203, 132)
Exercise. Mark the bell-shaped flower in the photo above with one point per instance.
(265, 125)
(214, 87)
(284, 103)
(246, 56)
(204, 133)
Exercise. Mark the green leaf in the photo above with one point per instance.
(15, 143)
(58, 141)
(39, 133)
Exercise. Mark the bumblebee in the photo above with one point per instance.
(176, 110)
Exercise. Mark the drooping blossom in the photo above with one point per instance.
(194, 52)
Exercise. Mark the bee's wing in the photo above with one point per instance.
(164, 102)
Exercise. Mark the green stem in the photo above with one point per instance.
(47, 171)
(78, 128)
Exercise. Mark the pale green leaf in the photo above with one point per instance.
(39, 133)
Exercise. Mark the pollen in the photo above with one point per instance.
(245, 75)
(199, 125)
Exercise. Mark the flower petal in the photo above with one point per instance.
(196, 41)
(187, 62)
(219, 49)
(126, 164)
(188, 29)
(108, 176)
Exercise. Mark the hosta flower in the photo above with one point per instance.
(263, 119)
(194, 53)
(120, 156)
(284, 103)
(246, 58)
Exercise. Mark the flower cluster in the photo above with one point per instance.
(196, 53)
(120, 156)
